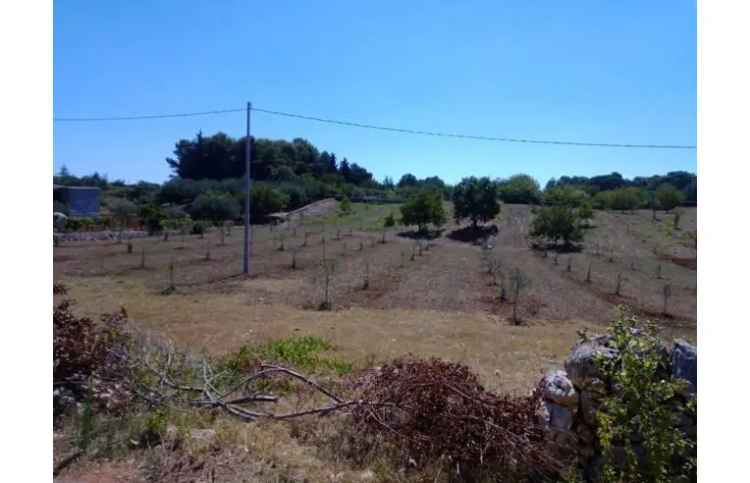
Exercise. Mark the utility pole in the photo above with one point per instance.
(246, 251)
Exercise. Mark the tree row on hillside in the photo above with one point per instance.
(221, 156)
(684, 182)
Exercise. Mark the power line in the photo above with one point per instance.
(150, 116)
(381, 128)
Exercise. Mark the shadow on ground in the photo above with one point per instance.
(472, 234)
(423, 235)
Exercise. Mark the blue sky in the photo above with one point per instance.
(612, 72)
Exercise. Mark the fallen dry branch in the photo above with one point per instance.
(233, 400)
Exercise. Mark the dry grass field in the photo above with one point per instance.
(439, 303)
(435, 301)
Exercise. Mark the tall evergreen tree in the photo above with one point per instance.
(332, 167)
(345, 170)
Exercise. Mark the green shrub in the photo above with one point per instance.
(422, 209)
(264, 201)
(215, 206)
(73, 224)
(625, 199)
(302, 352)
(520, 188)
(476, 199)
(200, 227)
(585, 212)
(389, 221)
(345, 206)
(644, 408)
(669, 197)
(565, 196)
(152, 217)
(557, 223)
(122, 210)
(180, 223)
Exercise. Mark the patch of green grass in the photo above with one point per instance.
(303, 352)
(362, 216)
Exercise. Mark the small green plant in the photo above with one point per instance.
(154, 428)
(200, 228)
(345, 206)
(86, 426)
(389, 221)
(645, 409)
(303, 352)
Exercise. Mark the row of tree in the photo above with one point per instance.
(565, 213)
(686, 183)
(221, 156)
(208, 184)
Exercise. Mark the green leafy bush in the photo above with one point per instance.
(122, 210)
(345, 206)
(557, 223)
(215, 206)
(565, 195)
(520, 188)
(625, 199)
(585, 212)
(422, 209)
(304, 352)
(200, 227)
(264, 201)
(645, 410)
(669, 197)
(476, 199)
(152, 217)
(73, 224)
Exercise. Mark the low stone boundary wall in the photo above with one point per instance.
(571, 397)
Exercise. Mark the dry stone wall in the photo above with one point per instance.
(571, 397)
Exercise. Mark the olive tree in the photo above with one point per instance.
(215, 206)
(423, 209)
(555, 223)
(669, 197)
(122, 212)
(476, 199)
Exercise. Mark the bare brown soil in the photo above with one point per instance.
(446, 279)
